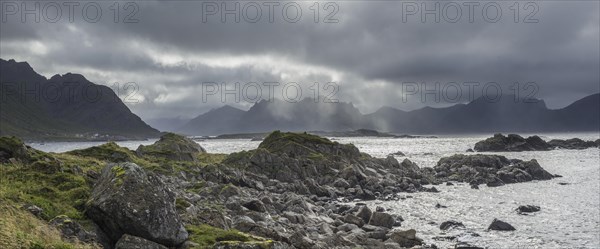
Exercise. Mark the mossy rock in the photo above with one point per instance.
(172, 147)
(206, 236)
(306, 145)
(110, 152)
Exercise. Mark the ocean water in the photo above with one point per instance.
(569, 216)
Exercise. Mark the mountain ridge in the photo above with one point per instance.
(508, 114)
(65, 106)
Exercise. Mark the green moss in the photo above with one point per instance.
(206, 236)
(110, 152)
(181, 204)
(57, 192)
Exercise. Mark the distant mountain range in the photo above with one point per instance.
(63, 107)
(479, 116)
(71, 107)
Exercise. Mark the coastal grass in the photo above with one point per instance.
(20, 229)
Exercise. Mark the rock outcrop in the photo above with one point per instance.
(172, 147)
(573, 144)
(499, 225)
(128, 200)
(512, 142)
(131, 242)
(493, 170)
(308, 164)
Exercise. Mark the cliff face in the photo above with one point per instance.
(67, 106)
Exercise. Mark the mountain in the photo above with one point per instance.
(214, 122)
(63, 107)
(168, 124)
(508, 114)
(265, 116)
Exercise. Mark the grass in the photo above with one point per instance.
(206, 236)
(20, 229)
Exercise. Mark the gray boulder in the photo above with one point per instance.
(128, 200)
(131, 242)
(499, 225)
(382, 219)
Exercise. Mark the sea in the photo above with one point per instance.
(570, 206)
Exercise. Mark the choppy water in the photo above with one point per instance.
(570, 215)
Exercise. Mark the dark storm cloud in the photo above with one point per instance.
(370, 52)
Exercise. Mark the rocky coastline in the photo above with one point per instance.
(296, 190)
(514, 142)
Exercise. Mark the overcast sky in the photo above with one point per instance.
(372, 50)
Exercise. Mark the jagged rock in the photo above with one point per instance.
(450, 224)
(132, 242)
(493, 170)
(464, 245)
(398, 153)
(353, 219)
(347, 227)
(382, 220)
(172, 147)
(341, 183)
(73, 231)
(364, 213)
(405, 238)
(33, 209)
(528, 209)
(437, 205)
(573, 144)
(299, 240)
(512, 142)
(128, 200)
(499, 225)
(255, 205)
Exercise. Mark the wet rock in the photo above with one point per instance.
(528, 209)
(573, 144)
(451, 224)
(464, 245)
(128, 200)
(493, 170)
(379, 209)
(406, 238)
(131, 242)
(382, 220)
(398, 153)
(255, 205)
(512, 142)
(469, 150)
(499, 225)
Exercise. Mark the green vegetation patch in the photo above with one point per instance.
(206, 236)
(110, 152)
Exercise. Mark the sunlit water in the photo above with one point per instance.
(570, 215)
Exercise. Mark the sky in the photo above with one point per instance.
(182, 58)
